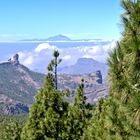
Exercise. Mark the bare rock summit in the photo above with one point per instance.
(14, 59)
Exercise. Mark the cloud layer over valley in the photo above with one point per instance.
(39, 57)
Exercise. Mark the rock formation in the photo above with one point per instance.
(99, 75)
(14, 59)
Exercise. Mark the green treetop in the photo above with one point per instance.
(46, 115)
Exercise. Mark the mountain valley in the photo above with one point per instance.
(19, 85)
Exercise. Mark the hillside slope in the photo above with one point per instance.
(18, 82)
(19, 85)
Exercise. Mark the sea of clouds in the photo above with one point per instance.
(39, 57)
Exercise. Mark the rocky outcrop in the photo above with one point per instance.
(14, 59)
(93, 86)
(99, 75)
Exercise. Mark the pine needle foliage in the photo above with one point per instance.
(118, 117)
(78, 116)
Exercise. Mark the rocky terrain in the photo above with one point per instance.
(94, 88)
(19, 85)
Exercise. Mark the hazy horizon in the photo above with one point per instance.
(90, 19)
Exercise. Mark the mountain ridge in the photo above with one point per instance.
(84, 66)
(19, 85)
(61, 37)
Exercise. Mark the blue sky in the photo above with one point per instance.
(22, 19)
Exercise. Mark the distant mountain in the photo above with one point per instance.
(53, 38)
(59, 38)
(19, 85)
(65, 38)
(85, 65)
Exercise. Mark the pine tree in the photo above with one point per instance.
(77, 116)
(53, 66)
(46, 115)
(96, 126)
(12, 131)
(129, 61)
(11, 127)
(121, 111)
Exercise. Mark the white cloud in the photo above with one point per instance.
(44, 46)
(22, 55)
(29, 60)
(39, 57)
(87, 56)
(66, 57)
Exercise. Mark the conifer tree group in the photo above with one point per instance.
(51, 117)
(114, 118)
